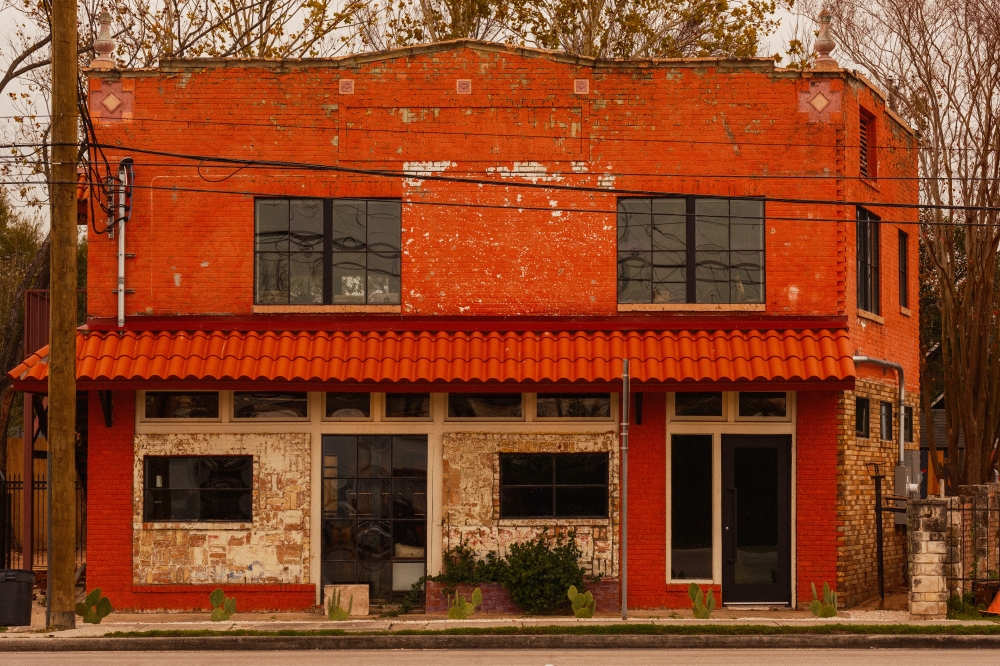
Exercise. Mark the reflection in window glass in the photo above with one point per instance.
(574, 405)
(763, 404)
(484, 405)
(181, 405)
(862, 410)
(691, 507)
(270, 405)
(348, 405)
(407, 405)
(562, 485)
(698, 404)
(198, 488)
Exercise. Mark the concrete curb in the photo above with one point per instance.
(516, 642)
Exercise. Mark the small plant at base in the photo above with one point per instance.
(700, 604)
(459, 608)
(335, 612)
(583, 603)
(223, 607)
(95, 608)
(828, 606)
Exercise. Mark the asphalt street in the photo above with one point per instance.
(511, 658)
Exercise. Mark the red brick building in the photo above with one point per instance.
(395, 322)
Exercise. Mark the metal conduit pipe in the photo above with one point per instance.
(902, 481)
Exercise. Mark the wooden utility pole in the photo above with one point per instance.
(62, 321)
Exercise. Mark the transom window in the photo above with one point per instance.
(182, 405)
(690, 250)
(559, 485)
(198, 489)
(327, 251)
(573, 405)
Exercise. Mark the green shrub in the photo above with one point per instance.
(964, 607)
(537, 575)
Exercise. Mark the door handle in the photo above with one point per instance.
(731, 555)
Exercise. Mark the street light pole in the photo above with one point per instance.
(62, 321)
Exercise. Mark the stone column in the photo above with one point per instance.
(927, 529)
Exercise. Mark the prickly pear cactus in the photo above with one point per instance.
(335, 612)
(827, 607)
(700, 604)
(95, 608)
(459, 608)
(223, 607)
(583, 603)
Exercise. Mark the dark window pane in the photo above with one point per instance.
(339, 572)
(697, 404)
(756, 469)
(349, 226)
(339, 540)
(747, 277)
(272, 278)
(573, 405)
(348, 405)
(582, 502)
(339, 497)
(409, 498)
(634, 225)
(712, 277)
(691, 507)
(374, 498)
(581, 469)
(260, 405)
(525, 469)
(746, 210)
(383, 278)
(374, 457)
(409, 456)
(305, 278)
(306, 225)
(349, 276)
(484, 405)
(384, 225)
(669, 277)
(861, 417)
(669, 224)
(198, 488)
(272, 225)
(374, 540)
(409, 539)
(177, 405)
(746, 234)
(229, 505)
(711, 227)
(407, 405)
(886, 420)
(521, 502)
(377, 575)
(340, 456)
(635, 272)
(156, 505)
(763, 404)
(908, 424)
(184, 505)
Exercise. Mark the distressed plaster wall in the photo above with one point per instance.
(274, 548)
(471, 498)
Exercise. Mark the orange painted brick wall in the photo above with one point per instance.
(692, 128)
(816, 492)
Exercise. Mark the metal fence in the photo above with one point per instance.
(11, 521)
(973, 544)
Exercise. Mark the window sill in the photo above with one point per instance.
(549, 520)
(870, 182)
(220, 526)
(325, 309)
(692, 307)
(870, 316)
(905, 312)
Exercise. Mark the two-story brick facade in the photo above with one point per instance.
(395, 322)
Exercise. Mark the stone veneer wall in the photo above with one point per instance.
(274, 548)
(471, 495)
(857, 576)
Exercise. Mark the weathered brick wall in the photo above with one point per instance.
(471, 497)
(816, 492)
(707, 127)
(857, 578)
(274, 548)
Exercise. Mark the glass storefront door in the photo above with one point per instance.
(375, 512)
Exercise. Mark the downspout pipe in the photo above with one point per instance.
(901, 483)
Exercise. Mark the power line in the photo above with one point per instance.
(514, 207)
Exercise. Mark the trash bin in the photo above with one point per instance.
(15, 597)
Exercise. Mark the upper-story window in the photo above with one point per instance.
(868, 261)
(904, 269)
(866, 145)
(327, 252)
(690, 250)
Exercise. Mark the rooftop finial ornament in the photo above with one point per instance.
(104, 45)
(825, 44)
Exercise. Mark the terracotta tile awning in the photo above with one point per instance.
(462, 357)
